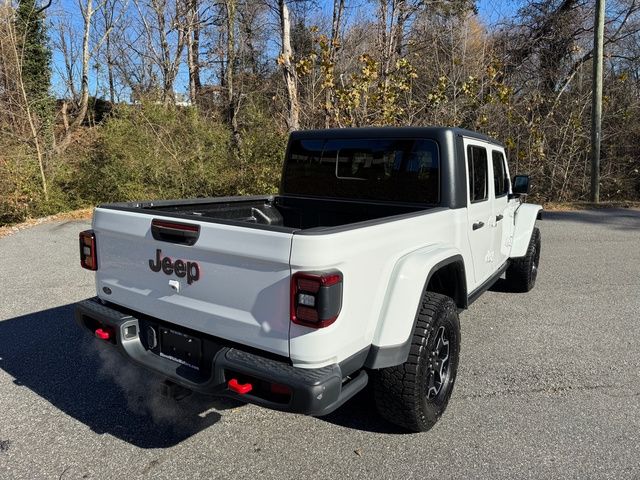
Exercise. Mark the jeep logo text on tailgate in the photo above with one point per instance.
(181, 268)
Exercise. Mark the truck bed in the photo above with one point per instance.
(283, 213)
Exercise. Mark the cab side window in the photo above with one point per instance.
(500, 180)
(478, 173)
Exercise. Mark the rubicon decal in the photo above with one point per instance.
(181, 268)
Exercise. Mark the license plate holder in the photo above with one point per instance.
(180, 347)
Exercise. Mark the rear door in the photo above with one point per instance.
(480, 209)
(503, 231)
(232, 283)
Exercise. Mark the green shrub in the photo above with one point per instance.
(142, 152)
(148, 151)
(18, 183)
(261, 154)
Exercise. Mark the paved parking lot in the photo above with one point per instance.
(549, 382)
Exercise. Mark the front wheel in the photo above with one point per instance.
(415, 394)
(522, 272)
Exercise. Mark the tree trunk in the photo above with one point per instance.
(193, 51)
(288, 69)
(232, 96)
(400, 23)
(247, 15)
(165, 68)
(65, 116)
(84, 85)
(383, 41)
(112, 89)
(196, 52)
(338, 8)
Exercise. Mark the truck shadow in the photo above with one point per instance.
(502, 286)
(360, 413)
(49, 354)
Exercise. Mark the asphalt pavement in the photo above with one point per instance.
(548, 386)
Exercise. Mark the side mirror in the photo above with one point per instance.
(520, 185)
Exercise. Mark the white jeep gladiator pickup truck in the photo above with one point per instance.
(356, 271)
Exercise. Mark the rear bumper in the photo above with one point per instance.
(308, 391)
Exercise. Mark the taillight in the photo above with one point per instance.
(88, 255)
(316, 298)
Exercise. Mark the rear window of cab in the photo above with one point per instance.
(382, 169)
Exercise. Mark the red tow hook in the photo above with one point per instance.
(103, 334)
(238, 387)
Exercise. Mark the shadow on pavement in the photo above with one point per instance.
(360, 413)
(502, 286)
(49, 354)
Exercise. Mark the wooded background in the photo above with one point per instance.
(110, 100)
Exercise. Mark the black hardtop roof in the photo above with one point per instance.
(387, 132)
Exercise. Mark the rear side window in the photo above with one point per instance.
(478, 173)
(384, 169)
(500, 181)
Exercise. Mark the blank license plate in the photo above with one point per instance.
(180, 347)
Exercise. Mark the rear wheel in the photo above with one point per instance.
(414, 394)
(522, 272)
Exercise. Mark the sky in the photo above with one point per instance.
(491, 12)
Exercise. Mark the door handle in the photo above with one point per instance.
(478, 225)
(499, 217)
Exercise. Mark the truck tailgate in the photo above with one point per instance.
(238, 291)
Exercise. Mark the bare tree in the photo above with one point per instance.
(109, 19)
(250, 26)
(193, 49)
(11, 45)
(89, 50)
(134, 67)
(288, 70)
(334, 42)
(232, 95)
(87, 11)
(67, 44)
(163, 26)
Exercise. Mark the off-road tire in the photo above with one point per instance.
(402, 392)
(522, 272)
